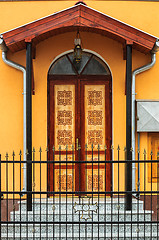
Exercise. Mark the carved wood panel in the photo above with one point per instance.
(64, 180)
(64, 116)
(98, 180)
(94, 115)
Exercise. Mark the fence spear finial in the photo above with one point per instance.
(7, 156)
(144, 151)
(13, 154)
(40, 149)
(118, 147)
(27, 152)
(72, 147)
(46, 149)
(125, 149)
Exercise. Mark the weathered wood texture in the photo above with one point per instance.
(83, 18)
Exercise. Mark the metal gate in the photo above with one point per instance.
(85, 211)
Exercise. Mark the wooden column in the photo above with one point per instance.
(128, 169)
(29, 122)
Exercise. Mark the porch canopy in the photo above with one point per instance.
(79, 17)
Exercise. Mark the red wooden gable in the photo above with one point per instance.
(79, 17)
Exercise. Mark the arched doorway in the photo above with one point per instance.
(79, 124)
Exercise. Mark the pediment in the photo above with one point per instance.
(79, 17)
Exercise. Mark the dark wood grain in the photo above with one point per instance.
(82, 18)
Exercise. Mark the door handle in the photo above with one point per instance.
(77, 144)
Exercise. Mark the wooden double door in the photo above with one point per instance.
(79, 129)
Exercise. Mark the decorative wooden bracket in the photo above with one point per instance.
(128, 42)
(29, 40)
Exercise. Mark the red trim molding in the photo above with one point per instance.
(85, 19)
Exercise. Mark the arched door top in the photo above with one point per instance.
(90, 64)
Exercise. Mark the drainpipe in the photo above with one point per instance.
(134, 73)
(20, 68)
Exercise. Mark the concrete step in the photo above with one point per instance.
(83, 211)
(82, 228)
(105, 204)
(113, 216)
(84, 236)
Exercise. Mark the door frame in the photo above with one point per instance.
(73, 78)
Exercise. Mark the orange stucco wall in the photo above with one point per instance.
(15, 14)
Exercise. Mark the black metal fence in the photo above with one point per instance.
(78, 195)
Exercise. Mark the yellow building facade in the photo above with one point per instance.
(142, 15)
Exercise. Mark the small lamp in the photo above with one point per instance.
(77, 48)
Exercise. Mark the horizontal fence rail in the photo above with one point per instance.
(79, 194)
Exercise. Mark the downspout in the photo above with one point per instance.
(134, 73)
(23, 70)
